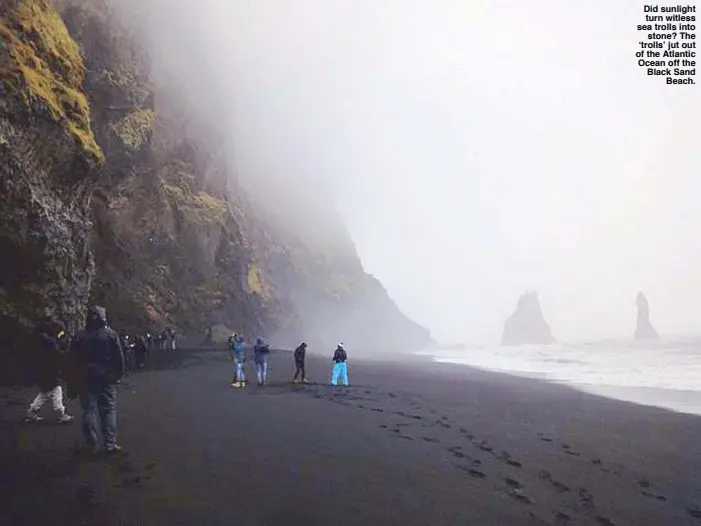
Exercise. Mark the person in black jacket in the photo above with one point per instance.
(299, 355)
(99, 366)
(260, 357)
(339, 366)
(48, 361)
(140, 352)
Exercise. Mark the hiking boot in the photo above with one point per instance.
(64, 419)
(32, 416)
(235, 384)
(113, 449)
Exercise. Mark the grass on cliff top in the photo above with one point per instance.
(40, 62)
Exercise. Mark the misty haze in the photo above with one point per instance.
(347, 262)
(475, 151)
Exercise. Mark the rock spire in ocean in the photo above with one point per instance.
(527, 326)
(644, 329)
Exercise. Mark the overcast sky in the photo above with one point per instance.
(475, 148)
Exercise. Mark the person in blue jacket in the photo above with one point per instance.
(260, 356)
(238, 356)
(340, 369)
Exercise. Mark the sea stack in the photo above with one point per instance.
(527, 326)
(644, 329)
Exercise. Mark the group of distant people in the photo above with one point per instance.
(136, 349)
(261, 350)
(91, 363)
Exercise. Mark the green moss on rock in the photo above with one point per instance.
(135, 128)
(255, 282)
(41, 65)
(198, 207)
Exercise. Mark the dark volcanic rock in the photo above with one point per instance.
(48, 166)
(644, 328)
(527, 326)
(166, 235)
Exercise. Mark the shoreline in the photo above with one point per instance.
(411, 442)
(683, 401)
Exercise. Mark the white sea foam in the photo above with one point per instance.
(664, 373)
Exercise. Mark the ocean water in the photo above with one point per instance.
(664, 373)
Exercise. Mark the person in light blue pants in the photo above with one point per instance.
(340, 369)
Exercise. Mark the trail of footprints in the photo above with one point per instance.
(475, 467)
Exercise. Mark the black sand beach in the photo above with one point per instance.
(414, 443)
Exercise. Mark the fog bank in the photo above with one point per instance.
(474, 151)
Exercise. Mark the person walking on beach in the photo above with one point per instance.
(140, 352)
(299, 356)
(99, 367)
(238, 357)
(340, 369)
(260, 356)
(48, 372)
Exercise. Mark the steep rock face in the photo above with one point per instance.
(527, 326)
(330, 293)
(167, 248)
(644, 328)
(178, 242)
(48, 165)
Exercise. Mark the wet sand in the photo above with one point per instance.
(410, 444)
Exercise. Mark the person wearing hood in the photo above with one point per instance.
(340, 369)
(260, 356)
(99, 366)
(238, 357)
(299, 355)
(50, 337)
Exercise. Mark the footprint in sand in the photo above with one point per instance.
(604, 521)
(546, 439)
(661, 498)
(383, 426)
(484, 446)
(512, 482)
(545, 475)
(572, 453)
(561, 518)
(694, 512)
(392, 395)
(443, 424)
(432, 440)
(406, 415)
(519, 495)
(644, 483)
(467, 433)
(456, 453)
(506, 457)
(586, 499)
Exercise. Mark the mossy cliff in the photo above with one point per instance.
(174, 240)
(49, 162)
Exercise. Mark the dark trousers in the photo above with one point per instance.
(299, 368)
